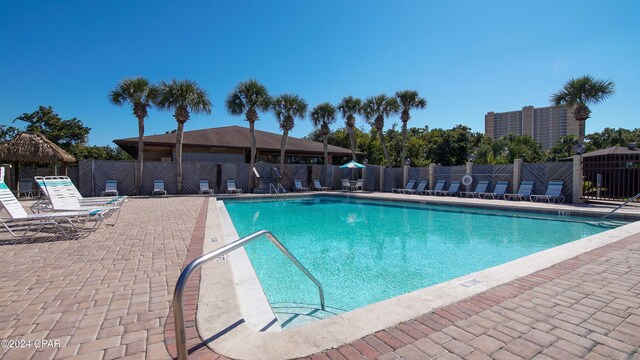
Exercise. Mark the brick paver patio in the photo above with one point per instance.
(108, 296)
(105, 296)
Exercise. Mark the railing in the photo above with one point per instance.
(616, 209)
(178, 311)
(275, 189)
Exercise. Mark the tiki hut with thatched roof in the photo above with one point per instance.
(34, 147)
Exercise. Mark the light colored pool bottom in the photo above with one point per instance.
(222, 317)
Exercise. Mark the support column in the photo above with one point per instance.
(577, 179)
(432, 176)
(405, 175)
(517, 171)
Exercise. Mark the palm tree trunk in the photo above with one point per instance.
(138, 175)
(283, 148)
(384, 147)
(179, 134)
(581, 127)
(325, 146)
(252, 130)
(404, 141)
(353, 143)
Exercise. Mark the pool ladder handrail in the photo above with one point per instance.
(276, 189)
(178, 311)
(620, 206)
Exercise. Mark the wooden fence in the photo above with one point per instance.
(90, 176)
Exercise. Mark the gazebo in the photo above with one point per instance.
(34, 147)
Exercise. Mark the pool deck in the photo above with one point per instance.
(108, 296)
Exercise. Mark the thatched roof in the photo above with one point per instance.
(34, 147)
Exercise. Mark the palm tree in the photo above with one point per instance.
(141, 95)
(375, 109)
(322, 116)
(350, 107)
(408, 99)
(184, 96)
(286, 108)
(248, 97)
(580, 92)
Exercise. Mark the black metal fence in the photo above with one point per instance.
(613, 177)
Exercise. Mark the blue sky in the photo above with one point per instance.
(465, 57)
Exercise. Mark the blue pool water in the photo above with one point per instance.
(366, 251)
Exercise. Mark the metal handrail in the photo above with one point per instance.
(178, 311)
(625, 203)
(276, 189)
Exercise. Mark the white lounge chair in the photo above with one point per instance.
(421, 186)
(231, 187)
(524, 191)
(317, 186)
(553, 193)
(44, 204)
(297, 186)
(110, 188)
(20, 220)
(439, 187)
(63, 198)
(409, 186)
(481, 188)
(204, 187)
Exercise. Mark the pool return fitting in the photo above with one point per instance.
(178, 311)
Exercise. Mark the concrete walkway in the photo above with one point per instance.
(108, 296)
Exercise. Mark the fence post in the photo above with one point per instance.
(517, 171)
(93, 171)
(577, 179)
(432, 176)
(469, 171)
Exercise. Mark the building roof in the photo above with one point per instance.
(236, 137)
(614, 150)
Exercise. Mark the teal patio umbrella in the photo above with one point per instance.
(352, 165)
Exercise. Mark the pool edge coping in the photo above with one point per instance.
(242, 342)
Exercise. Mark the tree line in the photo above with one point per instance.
(389, 148)
(453, 146)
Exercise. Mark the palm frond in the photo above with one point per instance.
(248, 95)
(323, 115)
(287, 107)
(583, 91)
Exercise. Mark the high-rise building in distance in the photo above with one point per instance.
(546, 124)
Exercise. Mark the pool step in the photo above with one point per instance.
(296, 314)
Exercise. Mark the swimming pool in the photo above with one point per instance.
(365, 251)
